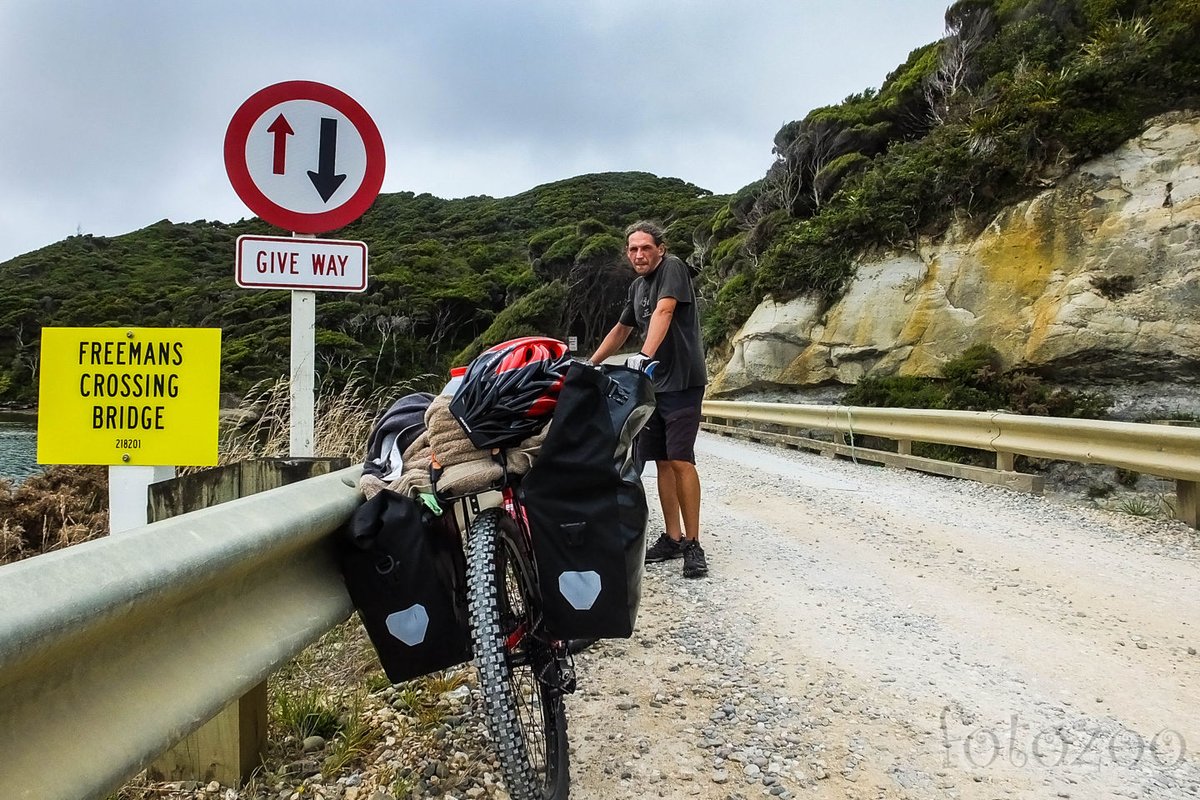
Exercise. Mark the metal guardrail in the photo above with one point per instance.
(112, 650)
(1166, 451)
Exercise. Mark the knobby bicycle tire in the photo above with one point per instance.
(518, 674)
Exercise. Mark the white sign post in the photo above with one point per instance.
(308, 158)
(302, 435)
(128, 488)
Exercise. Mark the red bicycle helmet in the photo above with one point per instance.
(510, 390)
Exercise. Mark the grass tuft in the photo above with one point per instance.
(1139, 507)
(304, 712)
(354, 739)
(342, 420)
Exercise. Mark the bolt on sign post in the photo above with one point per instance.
(307, 158)
(135, 399)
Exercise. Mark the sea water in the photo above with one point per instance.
(18, 445)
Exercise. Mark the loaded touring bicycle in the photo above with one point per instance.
(532, 459)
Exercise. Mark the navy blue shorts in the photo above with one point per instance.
(670, 433)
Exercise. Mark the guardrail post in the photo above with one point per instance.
(1005, 462)
(227, 748)
(904, 447)
(1186, 496)
(230, 746)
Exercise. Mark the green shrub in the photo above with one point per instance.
(600, 247)
(731, 307)
(975, 381)
(541, 241)
(558, 258)
(805, 259)
(727, 253)
(590, 227)
(976, 366)
(899, 391)
(536, 314)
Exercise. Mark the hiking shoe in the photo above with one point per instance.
(694, 563)
(664, 549)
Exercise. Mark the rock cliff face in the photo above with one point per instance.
(1096, 280)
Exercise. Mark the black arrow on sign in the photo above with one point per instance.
(325, 182)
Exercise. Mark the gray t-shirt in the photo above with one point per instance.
(681, 354)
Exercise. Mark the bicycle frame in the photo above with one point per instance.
(558, 648)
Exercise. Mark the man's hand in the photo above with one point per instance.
(642, 363)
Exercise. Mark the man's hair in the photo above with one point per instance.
(646, 226)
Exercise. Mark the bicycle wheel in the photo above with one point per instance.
(518, 673)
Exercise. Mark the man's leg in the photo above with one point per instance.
(685, 496)
(668, 498)
(682, 427)
(669, 440)
(670, 543)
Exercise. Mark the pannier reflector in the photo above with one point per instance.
(409, 625)
(580, 588)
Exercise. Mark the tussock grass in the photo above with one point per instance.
(342, 420)
(354, 739)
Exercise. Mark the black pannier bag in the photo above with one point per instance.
(405, 571)
(586, 505)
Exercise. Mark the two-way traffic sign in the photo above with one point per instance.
(304, 156)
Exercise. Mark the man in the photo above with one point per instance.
(661, 305)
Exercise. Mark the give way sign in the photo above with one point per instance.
(304, 156)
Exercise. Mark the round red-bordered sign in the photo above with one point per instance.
(300, 188)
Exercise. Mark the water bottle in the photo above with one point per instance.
(456, 379)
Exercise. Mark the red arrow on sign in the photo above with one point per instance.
(282, 130)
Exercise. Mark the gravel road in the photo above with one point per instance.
(873, 633)
(864, 633)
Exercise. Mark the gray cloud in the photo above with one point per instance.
(115, 113)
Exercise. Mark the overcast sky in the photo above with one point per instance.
(114, 113)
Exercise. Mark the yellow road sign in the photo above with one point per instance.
(145, 396)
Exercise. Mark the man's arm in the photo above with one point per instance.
(660, 321)
(612, 342)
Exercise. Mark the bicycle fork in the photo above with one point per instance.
(556, 672)
(565, 668)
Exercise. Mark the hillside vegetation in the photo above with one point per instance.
(442, 275)
(1017, 93)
